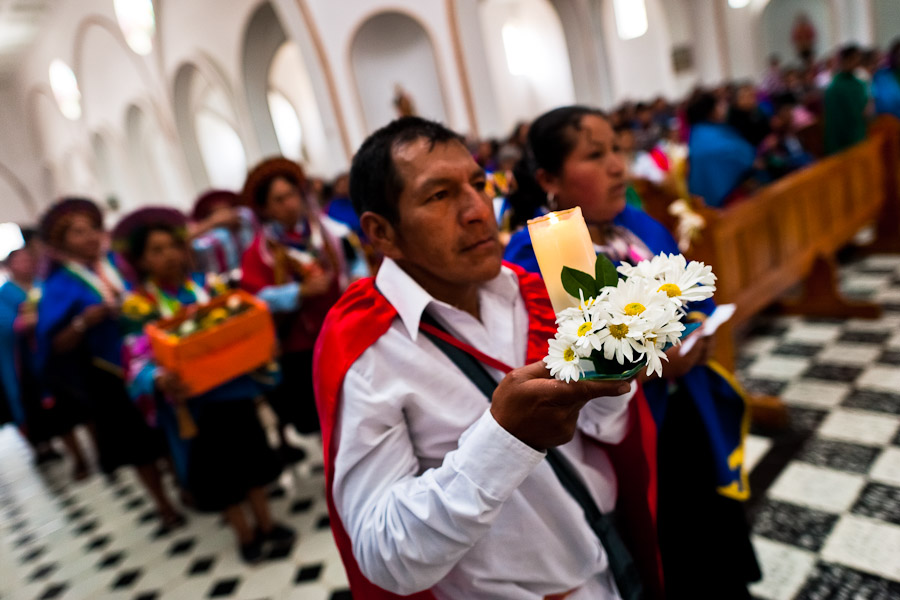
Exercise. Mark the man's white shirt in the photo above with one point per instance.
(433, 492)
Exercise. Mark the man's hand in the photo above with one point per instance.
(317, 283)
(679, 365)
(541, 411)
(171, 386)
(97, 313)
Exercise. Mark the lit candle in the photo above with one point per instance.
(561, 239)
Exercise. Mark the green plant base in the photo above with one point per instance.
(610, 370)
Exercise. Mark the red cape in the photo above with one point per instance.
(363, 315)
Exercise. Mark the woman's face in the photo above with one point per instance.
(82, 239)
(284, 203)
(593, 175)
(164, 258)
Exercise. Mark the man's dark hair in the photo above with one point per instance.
(701, 108)
(375, 184)
(849, 52)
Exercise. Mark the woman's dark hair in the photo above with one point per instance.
(554, 135)
(528, 197)
(375, 184)
(701, 108)
(137, 245)
(261, 193)
(551, 139)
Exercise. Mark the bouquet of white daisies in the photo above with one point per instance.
(623, 324)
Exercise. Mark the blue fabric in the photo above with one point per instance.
(281, 298)
(721, 407)
(719, 160)
(342, 211)
(11, 296)
(886, 90)
(65, 297)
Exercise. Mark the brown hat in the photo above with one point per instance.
(126, 231)
(58, 217)
(261, 176)
(204, 205)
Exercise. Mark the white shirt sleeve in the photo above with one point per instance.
(408, 529)
(606, 419)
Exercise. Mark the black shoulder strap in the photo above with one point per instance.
(621, 564)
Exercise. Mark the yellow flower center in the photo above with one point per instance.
(670, 289)
(585, 328)
(569, 355)
(635, 308)
(618, 331)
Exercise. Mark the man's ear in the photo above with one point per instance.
(382, 234)
(549, 183)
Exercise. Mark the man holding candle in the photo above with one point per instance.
(430, 486)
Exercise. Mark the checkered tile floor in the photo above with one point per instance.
(100, 540)
(826, 509)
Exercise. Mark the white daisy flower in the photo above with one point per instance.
(621, 339)
(564, 361)
(687, 282)
(580, 328)
(649, 269)
(635, 298)
(655, 356)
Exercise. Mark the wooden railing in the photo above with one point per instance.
(787, 234)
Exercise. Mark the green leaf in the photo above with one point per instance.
(606, 272)
(575, 281)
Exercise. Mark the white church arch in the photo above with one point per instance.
(18, 205)
(281, 97)
(641, 67)
(151, 161)
(208, 126)
(389, 49)
(528, 56)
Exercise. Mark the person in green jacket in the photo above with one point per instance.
(846, 101)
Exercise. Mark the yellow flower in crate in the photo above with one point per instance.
(215, 317)
(137, 307)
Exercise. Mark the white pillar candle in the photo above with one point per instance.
(561, 239)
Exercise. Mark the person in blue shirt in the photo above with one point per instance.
(719, 158)
(701, 417)
(80, 346)
(38, 417)
(886, 84)
(228, 462)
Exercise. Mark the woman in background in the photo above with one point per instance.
(80, 345)
(298, 264)
(227, 462)
(37, 415)
(701, 419)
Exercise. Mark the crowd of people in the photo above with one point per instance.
(428, 483)
(722, 143)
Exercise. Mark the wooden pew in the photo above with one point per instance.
(787, 234)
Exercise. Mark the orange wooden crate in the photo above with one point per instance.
(209, 358)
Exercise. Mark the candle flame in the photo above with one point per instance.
(553, 218)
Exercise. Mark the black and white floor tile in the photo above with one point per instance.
(826, 512)
(826, 506)
(98, 539)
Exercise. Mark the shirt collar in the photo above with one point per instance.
(410, 299)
